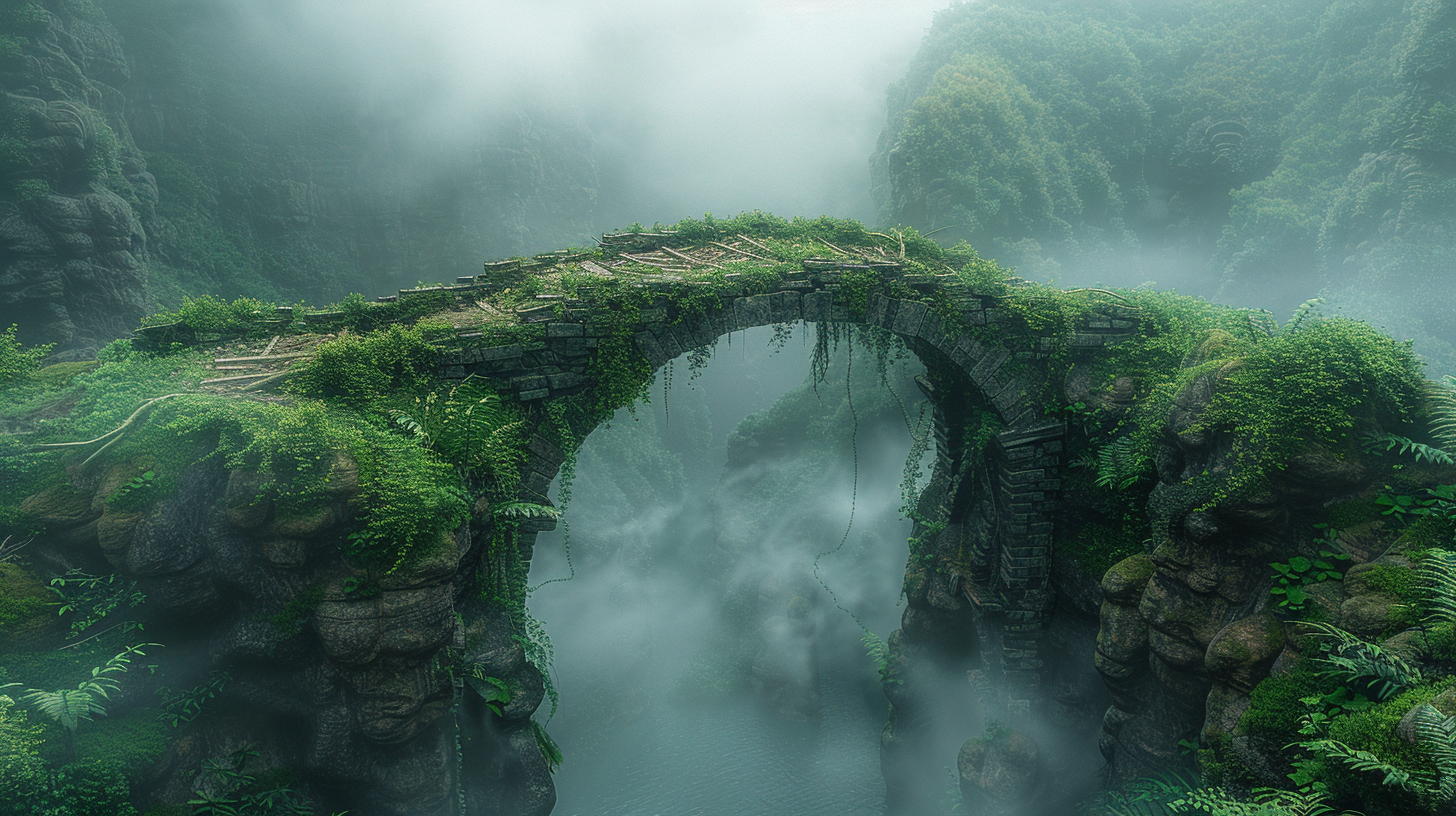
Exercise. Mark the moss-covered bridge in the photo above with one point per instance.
(339, 506)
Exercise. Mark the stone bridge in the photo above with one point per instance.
(980, 352)
(553, 331)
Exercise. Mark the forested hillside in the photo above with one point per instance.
(149, 151)
(1261, 153)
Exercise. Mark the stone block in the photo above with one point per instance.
(986, 369)
(546, 451)
(651, 349)
(817, 306)
(565, 330)
(670, 345)
(533, 395)
(488, 355)
(572, 347)
(565, 381)
(909, 314)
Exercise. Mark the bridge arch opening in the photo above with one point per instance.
(695, 647)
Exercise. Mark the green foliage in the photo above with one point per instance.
(1275, 707)
(493, 691)
(16, 361)
(91, 599)
(1362, 665)
(207, 314)
(22, 595)
(1387, 442)
(358, 370)
(185, 705)
(1436, 575)
(1311, 386)
(1292, 576)
(547, 746)
(230, 788)
(71, 707)
(471, 426)
(409, 496)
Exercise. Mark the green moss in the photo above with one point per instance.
(1274, 706)
(22, 596)
(1310, 386)
(1441, 639)
(289, 620)
(1426, 533)
(1400, 582)
(1098, 547)
(1374, 730)
(131, 741)
(1346, 514)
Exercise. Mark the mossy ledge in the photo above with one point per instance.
(338, 506)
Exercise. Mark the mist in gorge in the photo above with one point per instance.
(703, 660)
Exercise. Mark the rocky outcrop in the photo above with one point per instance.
(344, 675)
(1189, 630)
(73, 252)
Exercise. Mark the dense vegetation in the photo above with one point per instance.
(1279, 149)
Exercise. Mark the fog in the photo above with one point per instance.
(702, 666)
(693, 107)
(731, 544)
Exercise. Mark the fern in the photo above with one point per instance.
(1120, 464)
(1437, 734)
(878, 652)
(471, 426)
(1437, 573)
(540, 653)
(549, 749)
(1441, 403)
(1373, 443)
(519, 511)
(71, 707)
(1366, 762)
(1352, 660)
(1307, 310)
(1296, 803)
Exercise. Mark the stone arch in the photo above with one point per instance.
(1009, 590)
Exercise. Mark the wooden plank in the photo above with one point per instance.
(263, 357)
(742, 252)
(672, 251)
(239, 377)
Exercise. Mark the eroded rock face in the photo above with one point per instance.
(343, 672)
(72, 247)
(1000, 772)
(1187, 631)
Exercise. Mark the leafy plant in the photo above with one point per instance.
(472, 426)
(548, 747)
(184, 706)
(71, 707)
(493, 691)
(90, 599)
(227, 788)
(1290, 577)
(1386, 442)
(1364, 665)
(16, 361)
(1437, 574)
(1307, 311)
